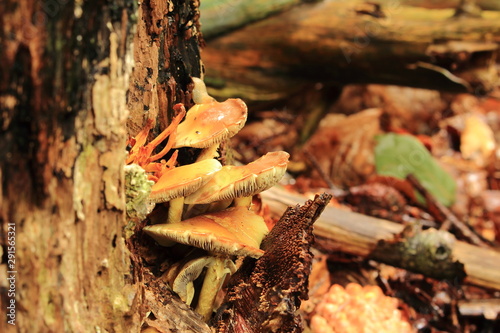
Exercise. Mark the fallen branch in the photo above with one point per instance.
(359, 234)
(484, 4)
(330, 41)
(222, 16)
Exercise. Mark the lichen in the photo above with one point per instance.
(82, 188)
(137, 190)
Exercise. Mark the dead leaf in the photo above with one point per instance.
(477, 140)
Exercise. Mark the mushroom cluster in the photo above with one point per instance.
(228, 228)
(358, 309)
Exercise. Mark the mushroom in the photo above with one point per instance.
(183, 283)
(200, 94)
(208, 122)
(177, 183)
(236, 231)
(242, 182)
(181, 277)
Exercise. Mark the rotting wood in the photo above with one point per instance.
(484, 4)
(428, 252)
(489, 308)
(62, 143)
(173, 315)
(221, 16)
(329, 42)
(166, 54)
(357, 234)
(264, 295)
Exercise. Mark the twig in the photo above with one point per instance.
(449, 217)
(320, 170)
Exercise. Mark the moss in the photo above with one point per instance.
(429, 252)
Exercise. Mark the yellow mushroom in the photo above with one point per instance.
(236, 231)
(181, 276)
(208, 122)
(242, 182)
(177, 183)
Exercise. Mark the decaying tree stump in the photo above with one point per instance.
(73, 74)
(74, 77)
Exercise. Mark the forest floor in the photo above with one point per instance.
(350, 156)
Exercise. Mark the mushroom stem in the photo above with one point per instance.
(182, 283)
(243, 201)
(175, 210)
(200, 94)
(217, 206)
(212, 283)
(208, 153)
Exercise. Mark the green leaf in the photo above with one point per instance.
(399, 155)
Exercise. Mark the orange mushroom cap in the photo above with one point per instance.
(242, 181)
(184, 180)
(234, 231)
(211, 123)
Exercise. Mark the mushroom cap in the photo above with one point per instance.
(242, 181)
(183, 180)
(234, 231)
(211, 123)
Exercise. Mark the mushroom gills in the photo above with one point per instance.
(234, 231)
(241, 182)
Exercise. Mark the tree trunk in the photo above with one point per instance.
(72, 75)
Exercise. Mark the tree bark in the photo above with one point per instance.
(265, 294)
(73, 74)
(348, 42)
